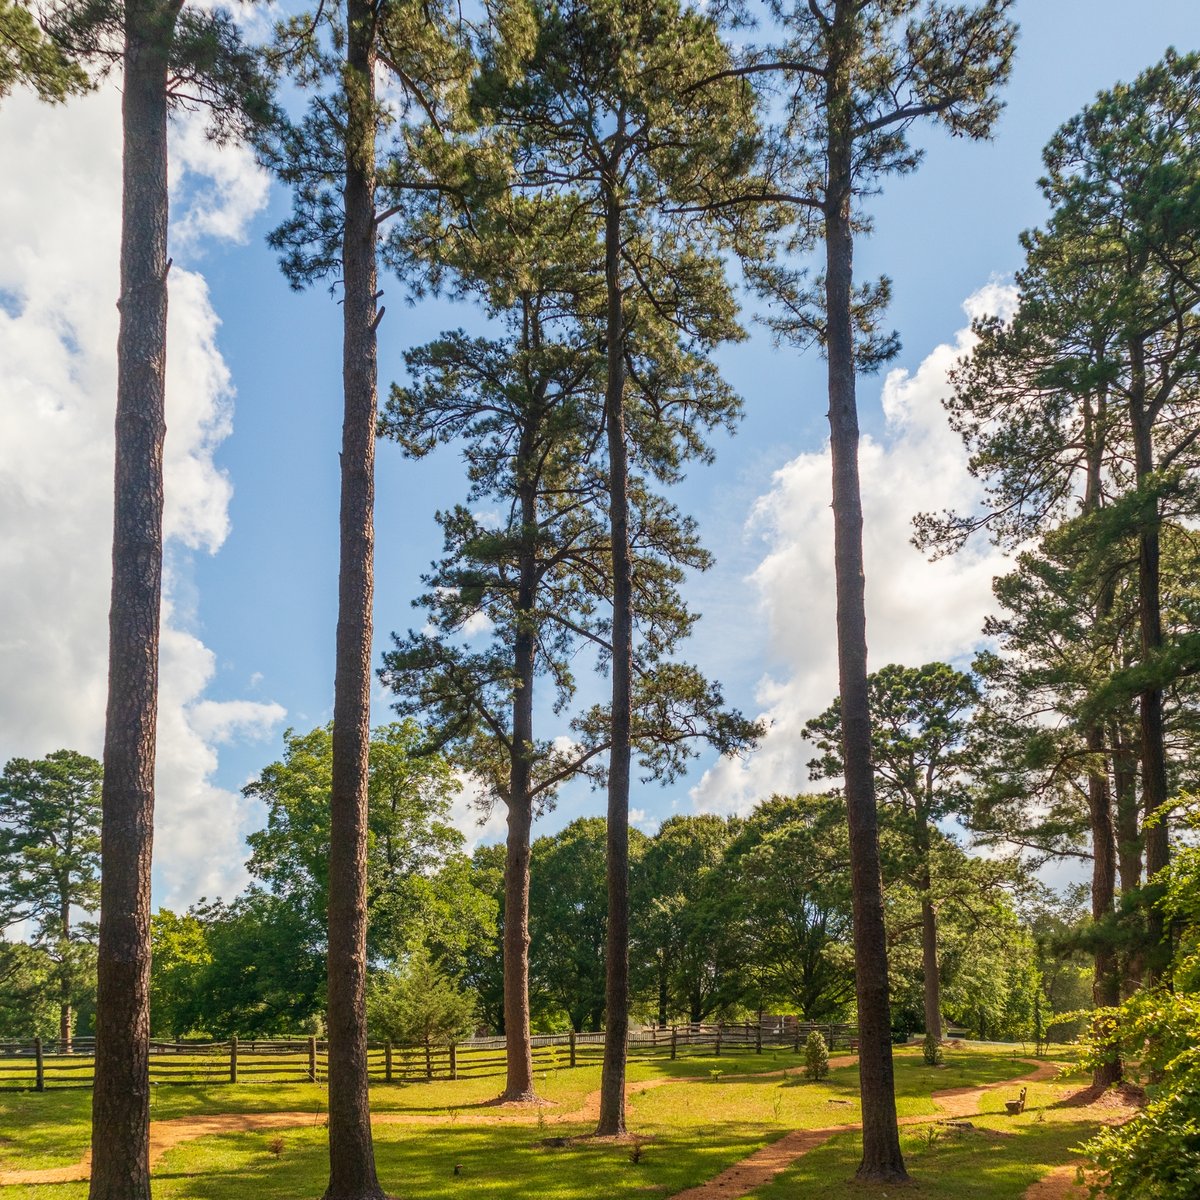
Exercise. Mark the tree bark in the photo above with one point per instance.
(929, 937)
(66, 980)
(1106, 983)
(1129, 838)
(351, 1151)
(121, 1091)
(616, 1023)
(518, 1051)
(882, 1160)
(1154, 757)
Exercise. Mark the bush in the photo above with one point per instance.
(816, 1056)
(932, 1049)
(1156, 1155)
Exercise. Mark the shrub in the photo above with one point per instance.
(932, 1049)
(816, 1056)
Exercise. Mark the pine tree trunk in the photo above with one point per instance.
(121, 1091)
(929, 964)
(1106, 983)
(616, 1022)
(929, 936)
(882, 1159)
(1129, 838)
(66, 982)
(518, 1050)
(351, 1151)
(1154, 757)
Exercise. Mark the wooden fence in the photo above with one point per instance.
(38, 1065)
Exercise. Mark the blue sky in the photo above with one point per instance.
(253, 564)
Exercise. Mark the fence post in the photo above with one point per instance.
(39, 1065)
(758, 1038)
(831, 1037)
(453, 1060)
(233, 1058)
(387, 1061)
(674, 1040)
(312, 1059)
(571, 1042)
(428, 1061)
(719, 1028)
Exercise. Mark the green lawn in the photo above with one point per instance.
(692, 1131)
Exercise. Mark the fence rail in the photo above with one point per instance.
(38, 1065)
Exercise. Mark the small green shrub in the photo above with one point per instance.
(931, 1048)
(816, 1056)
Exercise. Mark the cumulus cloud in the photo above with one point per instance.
(917, 611)
(474, 813)
(58, 325)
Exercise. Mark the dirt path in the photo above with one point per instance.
(1058, 1185)
(762, 1166)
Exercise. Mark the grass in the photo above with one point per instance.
(692, 1132)
(990, 1157)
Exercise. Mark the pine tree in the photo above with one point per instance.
(50, 860)
(31, 58)
(860, 75)
(630, 106)
(331, 160)
(527, 408)
(919, 756)
(170, 54)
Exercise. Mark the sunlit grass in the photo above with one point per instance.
(694, 1126)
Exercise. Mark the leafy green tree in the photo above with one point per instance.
(181, 960)
(50, 863)
(683, 949)
(30, 58)
(985, 957)
(788, 874)
(27, 992)
(629, 107)
(919, 753)
(524, 405)
(481, 967)
(265, 973)
(415, 891)
(861, 74)
(568, 904)
(1154, 1155)
(816, 1057)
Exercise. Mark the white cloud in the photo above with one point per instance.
(58, 321)
(475, 815)
(917, 611)
(477, 623)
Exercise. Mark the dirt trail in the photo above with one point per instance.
(762, 1166)
(1058, 1185)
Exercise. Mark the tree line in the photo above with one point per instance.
(731, 918)
(588, 173)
